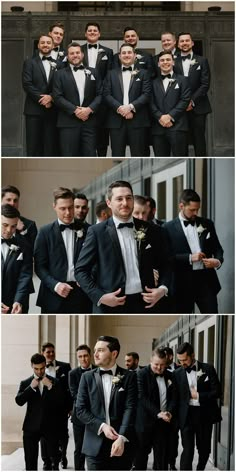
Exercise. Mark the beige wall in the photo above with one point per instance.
(36, 179)
(23, 335)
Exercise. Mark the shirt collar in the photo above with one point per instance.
(117, 221)
(113, 369)
(61, 222)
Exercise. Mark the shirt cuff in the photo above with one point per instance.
(100, 429)
(190, 259)
(55, 288)
(166, 290)
(219, 264)
(123, 437)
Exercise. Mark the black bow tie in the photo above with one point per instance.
(39, 378)
(189, 222)
(9, 242)
(48, 58)
(56, 48)
(78, 68)
(102, 372)
(49, 364)
(186, 57)
(123, 225)
(158, 375)
(164, 76)
(124, 69)
(63, 227)
(189, 369)
(86, 370)
(90, 46)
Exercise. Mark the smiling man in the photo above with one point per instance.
(57, 247)
(106, 405)
(125, 251)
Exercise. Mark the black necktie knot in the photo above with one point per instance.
(189, 222)
(63, 227)
(78, 68)
(103, 372)
(164, 76)
(95, 46)
(186, 57)
(189, 369)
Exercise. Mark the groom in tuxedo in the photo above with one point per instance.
(197, 254)
(17, 265)
(124, 251)
(106, 404)
(196, 389)
(57, 247)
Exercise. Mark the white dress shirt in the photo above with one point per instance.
(166, 81)
(80, 78)
(5, 250)
(193, 241)
(186, 64)
(126, 77)
(192, 381)
(46, 65)
(92, 56)
(68, 236)
(107, 386)
(51, 370)
(129, 252)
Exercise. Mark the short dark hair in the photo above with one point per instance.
(130, 28)
(74, 44)
(163, 53)
(10, 211)
(152, 202)
(113, 343)
(101, 206)
(116, 184)
(37, 359)
(81, 195)
(62, 192)
(10, 189)
(45, 34)
(46, 345)
(184, 33)
(168, 32)
(84, 347)
(188, 195)
(56, 25)
(169, 351)
(185, 347)
(160, 352)
(91, 23)
(140, 199)
(133, 354)
(125, 45)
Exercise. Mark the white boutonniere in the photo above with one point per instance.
(61, 53)
(134, 72)
(57, 367)
(87, 72)
(169, 382)
(138, 56)
(140, 234)
(13, 248)
(200, 230)
(192, 62)
(117, 379)
(200, 373)
(79, 234)
(101, 50)
(24, 232)
(171, 81)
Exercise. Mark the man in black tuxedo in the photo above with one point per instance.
(17, 264)
(125, 251)
(196, 69)
(140, 210)
(43, 397)
(81, 209)
(168, 42)
(154, 412)
(99, 57)
(174, 430)
(57, 247)
(106, 404)
(196, 253)
(152, 208)
(57, 32)
(196, 389)
(132, 361)
(127, 93)
(170, 98)
(84, 357)
(60, 371)
(77, 92)
(40, 112)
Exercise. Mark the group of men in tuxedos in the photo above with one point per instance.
(123, 264)
(76, 98)
(120, 415)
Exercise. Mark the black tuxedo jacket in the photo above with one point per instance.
(139, 96)
(90, 407)
(51, 262)
(173, 101)
(149, 399)
(143, 61)
(74, 381)
(42, 410)
(66, 96)
(104, 59)
(199, 82)
(29, 231)
(180, 251)
(102, 248)
(208, 387)
(35, 84)
(62, 373)
(17, 271)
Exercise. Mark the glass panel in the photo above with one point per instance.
(161, 200)
(211, 345)
(226, 380)
(200, 346)
(178, 183)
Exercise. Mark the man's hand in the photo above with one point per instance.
(165, 121)
(129, 116)
(123, 110)
(20, 225)
(210, 263)
(83, 113)
(4, 309)
(198, 256)
(47, 382)
(153, 295)
(45, 100)
(111, 299)
(118, 447)
(165, 416)
(16, 308)
(156, 276)
(110, 432)
(190, 106)
(34, 383)
(63, 289)
(194, 393)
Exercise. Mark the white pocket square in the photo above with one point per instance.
(62, 375)
(148, 246)
(92, 77)
(20, 257)
(138, 79)
(177, 86)
(104, 58)
(121, 389)
(206, 379)
(141, 62)
(208, 236)
(198, 68)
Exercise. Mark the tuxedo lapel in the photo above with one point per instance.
(180, 232)
(73, 82)
(121, 82)
(115, 241)
(59, 240)
(98, 381)
(184, 383)
(85, 51)
(115, 387)
(39, 61)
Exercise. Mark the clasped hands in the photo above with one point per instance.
(166, 121)
(165, 416)
(117, 447)
(46, 101)
(82, 113)
(125, 111)
(209, 263)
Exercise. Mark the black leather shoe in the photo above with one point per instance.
(64, 462)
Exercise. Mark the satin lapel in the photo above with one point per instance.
(115, 240)
(193, 67)
(185, 384)
(11, 256)
(69, 71)
(180, 62)
(170, 86)
(38, 60)
(99, 56)
(120, 81)
(85, 51)
(58, 239)
(202, 236)
(115, 387)
(77, 247)
(180, 231)
(98, 381)
(2, 264)
(86, 85)
(161, 86)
